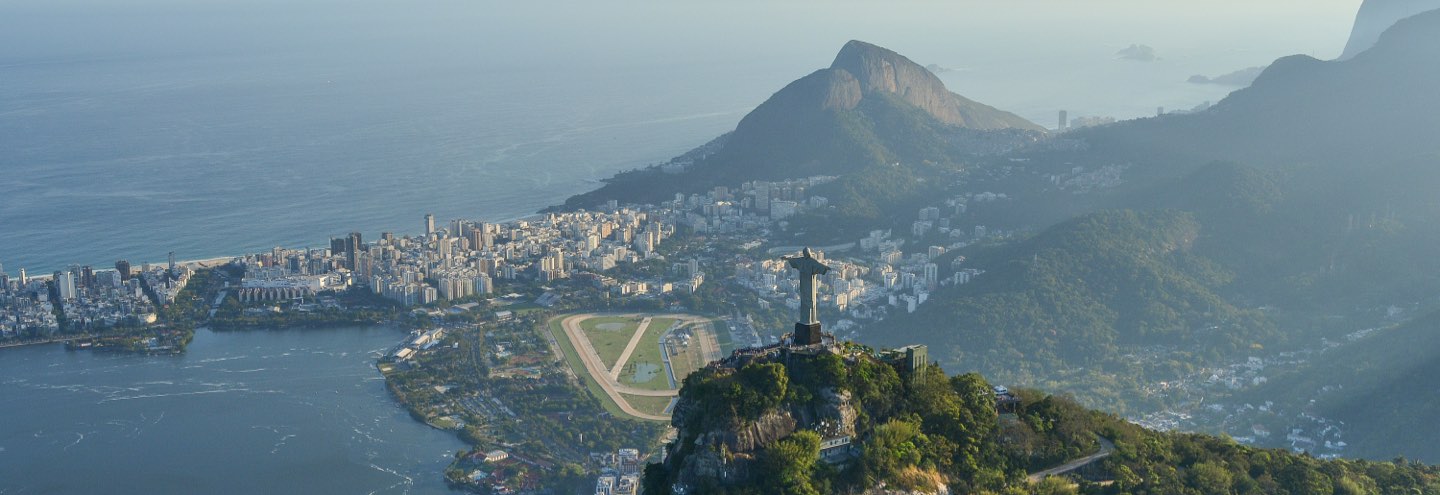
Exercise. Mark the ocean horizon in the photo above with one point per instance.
(116, 143)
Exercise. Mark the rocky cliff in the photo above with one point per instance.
(878, 70)
(731, 451)
(871, 107)
(1376, 16)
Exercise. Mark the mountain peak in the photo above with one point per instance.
(871, 107)
(882, 71)
(856, 49)
(1376, 16)
(1412, 36)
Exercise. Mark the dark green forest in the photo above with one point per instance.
(916, 431)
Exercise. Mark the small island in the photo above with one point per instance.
(1138, 53)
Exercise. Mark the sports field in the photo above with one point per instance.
(609, 335)
(635, 362)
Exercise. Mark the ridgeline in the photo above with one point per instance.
(871, 108)
(847, 420)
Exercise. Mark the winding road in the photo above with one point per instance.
(1106, 448)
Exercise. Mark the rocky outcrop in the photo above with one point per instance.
(730, 453)
(1376, 16)
(942, 490)
(771, 426)
(726, 450)
(872, 107)
(834, 415)
(878, 70)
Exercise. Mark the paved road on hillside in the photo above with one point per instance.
(1106, 448)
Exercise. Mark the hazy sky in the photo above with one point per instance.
(165, 96)
(594, 30)
(1039, 45)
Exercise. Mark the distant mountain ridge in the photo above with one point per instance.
(1376, 16)
(1378, 106)
(872, 106)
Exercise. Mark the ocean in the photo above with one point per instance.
(300, 411)
(215, 128)
(132, 129)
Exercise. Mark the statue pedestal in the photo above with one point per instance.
(807, 334)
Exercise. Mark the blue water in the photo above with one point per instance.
(244, 412)
(220, 127)
(131, 129)
(212, 156)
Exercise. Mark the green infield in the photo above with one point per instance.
(649, 405)
(609, 335)
(573, 359)
(646, 367)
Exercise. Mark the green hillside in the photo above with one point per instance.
(759, 428)
(1082, 294)
(1383, 390)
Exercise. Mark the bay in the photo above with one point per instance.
(296, 411)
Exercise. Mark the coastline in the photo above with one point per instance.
(193, 264)
(214, 261)
(10, 345)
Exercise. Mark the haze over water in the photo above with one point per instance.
(129, 129)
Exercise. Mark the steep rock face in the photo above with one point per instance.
(834, 409)
(1376, 16)
(872, 107)
(826, 122)
(863, 71)
(771, 426)
(881, 490)
(729, 454)
(879, 70)
(844, 92)
(725, 449)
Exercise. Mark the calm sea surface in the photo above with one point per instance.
(301, 411)
(132, 129)
(215, 128)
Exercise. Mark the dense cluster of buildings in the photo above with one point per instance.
(89, 299)
(27, 306)
(883, 275)
(755, 205)
(467, 258)
(621, 474)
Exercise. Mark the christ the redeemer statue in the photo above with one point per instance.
(807, 330)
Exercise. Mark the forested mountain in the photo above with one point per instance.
(870, 108)
(1175, 276)
(1378, 106)
(1293, 211)
(1383, 389)
(1086, 293)
(1375, 16)
(1327, 214)
(780, 425)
